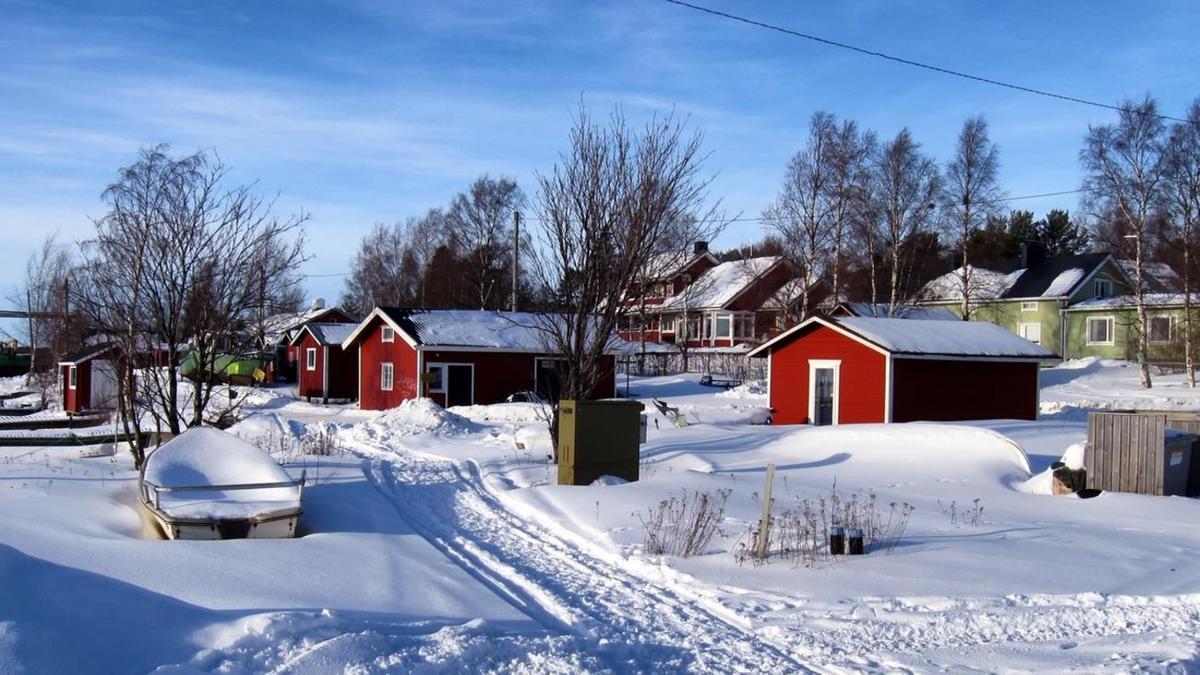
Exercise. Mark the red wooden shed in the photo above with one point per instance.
(456, 357)
(88, 379)
(864, 369)
(325, 369)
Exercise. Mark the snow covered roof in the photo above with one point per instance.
(327, 333)
(905, 337)
(721, 285)
(479, 329)
(1055, 277)
(1128, 301)
(87, 353)
(903, 312)
(1159, 277)
(278, 326)
(667, 265)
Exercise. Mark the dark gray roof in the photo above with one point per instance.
(1035, 281)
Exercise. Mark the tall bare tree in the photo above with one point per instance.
(615, 198)
(1123, 178)
(905, 187)
(481, 220)
(969, 197)
(43, 295)
(851, 178)
(1182, 202)
(177, 265)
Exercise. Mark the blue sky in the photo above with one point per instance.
(361, 112)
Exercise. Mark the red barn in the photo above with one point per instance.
(88, 379)
(456, 357)
(325, 370)
(862, 369)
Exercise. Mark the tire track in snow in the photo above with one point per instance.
(631, 622)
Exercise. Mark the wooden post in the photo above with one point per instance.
(763, 525)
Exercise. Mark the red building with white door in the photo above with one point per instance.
(325, 370)
(863, 369)
(88, 379)
(456, 357)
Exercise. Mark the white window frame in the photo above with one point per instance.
(716, 330)
(388, 334)
(1098, 284)
(387, 376)
(813, 366)
(1029, 306)
(1170, 331)
(1021, 327)
(310, 358)
(72, 377)
(1112, 325)
(443, 366)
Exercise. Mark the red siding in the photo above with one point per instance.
(498, 374)
(342, 367)
(963, 390)
(861, 388)
(309, 383)
(372, 352)
(762, 289)
(78, 399)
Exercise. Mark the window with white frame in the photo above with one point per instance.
(1032, 332)
(72, 377)
(1029, 306)
(1102, 288)
(743, 326)
(1162, 329)
(387, 376)
(389, 334)
(310, 359)
(1100, 330)
(436, 380)
(724, 326)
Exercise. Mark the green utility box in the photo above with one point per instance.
(598, 438)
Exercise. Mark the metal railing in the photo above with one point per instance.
(148, 488)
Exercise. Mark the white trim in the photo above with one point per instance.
(72, 376)
(360, 377)
(889, 377)
(385, 367)
(420, 393)
(310, 359)
(815, 319)
(1025, 324)
(383, 334)
(1174, 321)
(1095, 270)
(824, 364)
(443, 365)
(769, 360)
(1025, 308)
(1112, 330)
(377, 312)
(1100, 296)
(325, 373)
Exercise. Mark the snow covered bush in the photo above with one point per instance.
(683, 526)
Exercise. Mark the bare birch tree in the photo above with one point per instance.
(1123, 178)
(481, 218)
(851, 177)
(616, 198)
(906, 184)
(969, 197)
(1182, 202)
(43, 296)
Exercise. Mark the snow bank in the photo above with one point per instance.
(1043, 483)
(748, 389)
(423, 416)
(503, 412)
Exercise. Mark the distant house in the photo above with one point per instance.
(88, 379)
(326, 370)
(279, 331)
(697, 301)
(863, 369)
(457, 357)
(1077, 305)
(902, 312)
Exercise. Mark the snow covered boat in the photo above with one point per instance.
(207, 484)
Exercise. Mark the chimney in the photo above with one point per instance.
(318, 303)
(1032, 254)
(700, 248)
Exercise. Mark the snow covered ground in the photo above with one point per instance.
(437, 541)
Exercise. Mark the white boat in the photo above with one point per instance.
(207, 484)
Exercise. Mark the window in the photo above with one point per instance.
(724, 322)
(1032, 332)
(1162, 329)
(72, 377)
(436, 379)
(1102, 288)
(310, 359)
(389, 334)
(1100, 330)
(387, 377)
(1028, 306)
(743, 326)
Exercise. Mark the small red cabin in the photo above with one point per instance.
(862, 369)
(456, 357)
(325, 370)
(88, 379)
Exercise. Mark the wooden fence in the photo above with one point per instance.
(1131, 452)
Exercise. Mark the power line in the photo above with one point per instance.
(910, 62)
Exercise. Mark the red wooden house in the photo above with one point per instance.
(864, 369)
(88, 379)
(325, 370)
(281, 329)
(455, 357)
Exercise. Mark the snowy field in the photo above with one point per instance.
(436, 541)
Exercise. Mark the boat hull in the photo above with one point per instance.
(276, 526)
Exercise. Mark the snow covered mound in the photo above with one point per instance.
(1043, 483)
(503, 412)
(207, 456)
(748, 389)
(1076, 386)
(422, 416)
(265, 428)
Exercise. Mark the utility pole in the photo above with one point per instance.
(516, 255)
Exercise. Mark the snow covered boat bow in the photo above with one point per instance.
(207, 484)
